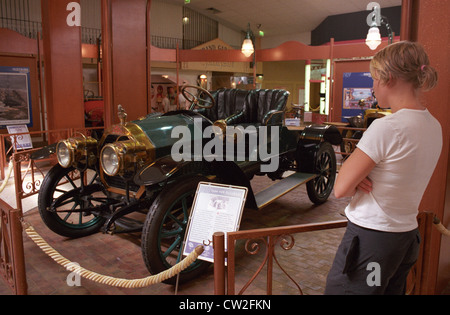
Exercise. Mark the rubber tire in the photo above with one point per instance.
(325, 166)
(51, 219)
(155, 218)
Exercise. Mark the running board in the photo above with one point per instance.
(275, 191)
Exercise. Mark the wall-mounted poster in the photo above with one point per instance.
(15, 96)
(358, 98)
(357, 94)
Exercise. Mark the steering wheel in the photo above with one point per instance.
(203, 99)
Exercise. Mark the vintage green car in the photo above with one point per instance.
(141, 176)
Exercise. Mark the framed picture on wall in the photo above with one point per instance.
(356, 93)
(15, 96)
(358, 98)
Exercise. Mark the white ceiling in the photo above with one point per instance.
(279, 17)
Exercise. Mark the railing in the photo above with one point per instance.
(29, 173)
(28, 179)
(12, 261)
(418, 273)
(10, 143)
(225, 261)
(28, 176)
(270, 238)
(349, 141)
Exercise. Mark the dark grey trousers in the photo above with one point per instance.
(372, 262)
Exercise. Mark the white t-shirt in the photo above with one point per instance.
(405, 147)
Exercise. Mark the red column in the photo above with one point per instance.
(430, 27)
(63, 65)
(126, 68)
(107, 64)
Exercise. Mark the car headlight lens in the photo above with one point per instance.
(122, 157)
(110, 161)
(64, 154)
(78, 150)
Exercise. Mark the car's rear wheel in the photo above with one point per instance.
(165, 228)
(319, 189)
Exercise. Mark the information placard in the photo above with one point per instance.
(216, 208)
(20, 142)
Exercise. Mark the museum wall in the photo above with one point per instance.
(288, 75)
(429, 16)
(166, 20)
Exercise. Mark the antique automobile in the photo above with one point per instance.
(133, 180)
(358, 124)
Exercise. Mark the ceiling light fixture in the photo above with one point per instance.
(247, 46)
(373, 39)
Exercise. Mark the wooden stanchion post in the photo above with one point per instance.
(219, 263)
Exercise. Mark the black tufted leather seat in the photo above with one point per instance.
(265, 103)
(237, 106)
(229, 105)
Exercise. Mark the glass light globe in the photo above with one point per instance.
(247, 47)
(373, 39)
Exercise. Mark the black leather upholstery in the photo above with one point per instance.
(264, 102)
(237, 106)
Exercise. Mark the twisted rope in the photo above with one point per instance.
(111, 281)
(440, 227)
(8, 175)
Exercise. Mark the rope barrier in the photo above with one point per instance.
(440, 227)
(111, 281)
(8, 175)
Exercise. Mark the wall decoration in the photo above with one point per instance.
(358, 98)
(15, 96)
(356, 94)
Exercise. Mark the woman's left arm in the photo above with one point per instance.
(353, 175)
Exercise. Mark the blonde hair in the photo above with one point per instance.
(407, 61)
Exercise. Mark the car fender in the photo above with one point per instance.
(44, 152)
(320, 133)
(230, 172)
(309, 143)
(158, 171)
(165, 168)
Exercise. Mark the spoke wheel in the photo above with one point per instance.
(319, 189)
(165, 228)
(66, 199)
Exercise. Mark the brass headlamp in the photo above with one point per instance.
(122, 156)
(72, 151)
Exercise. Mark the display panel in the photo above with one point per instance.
(15, 96)
(216, 208)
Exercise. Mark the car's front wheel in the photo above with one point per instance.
(66, 199)
(165, 228)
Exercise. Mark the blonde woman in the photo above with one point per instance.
(386, 176)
